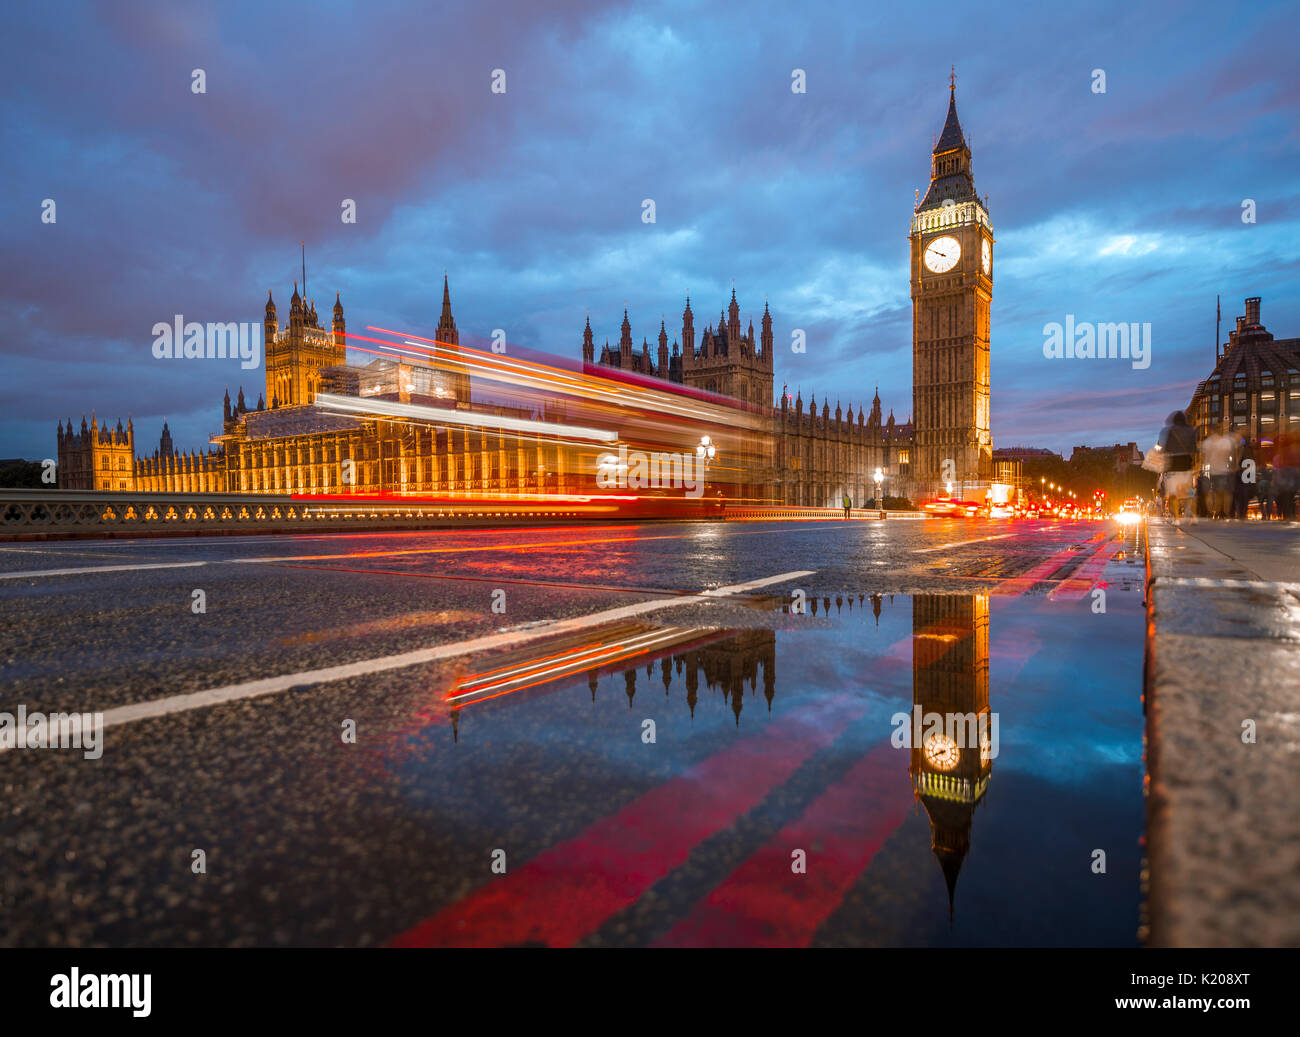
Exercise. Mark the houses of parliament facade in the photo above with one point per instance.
(814, 459)
(284, 443)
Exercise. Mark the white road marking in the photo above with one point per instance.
(1206, 583)
(961, 543)
(271, 685)
(32, 573)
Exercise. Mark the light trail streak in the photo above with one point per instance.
(459, 417)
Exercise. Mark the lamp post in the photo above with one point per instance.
(704, 454)
(706, 450)
(880, 503)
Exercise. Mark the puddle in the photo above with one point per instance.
(680, 785)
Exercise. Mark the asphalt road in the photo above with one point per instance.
(521, 729)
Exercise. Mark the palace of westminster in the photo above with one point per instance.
(286, 443)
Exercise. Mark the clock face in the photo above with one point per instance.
(941, 254)
(941, 752)
(988, 256)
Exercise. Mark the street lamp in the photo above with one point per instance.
(704, 454)
(705, 451)
(880, 505)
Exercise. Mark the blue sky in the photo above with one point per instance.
(1122, 206)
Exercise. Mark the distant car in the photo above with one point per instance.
(948, 507)
(1001, 511)
(1129, 512)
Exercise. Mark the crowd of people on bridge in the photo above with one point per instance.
(1225, 475)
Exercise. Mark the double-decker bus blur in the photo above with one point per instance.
(541, 435)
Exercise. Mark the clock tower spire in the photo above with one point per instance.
(952, 290)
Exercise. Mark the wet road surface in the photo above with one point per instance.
(664, 734)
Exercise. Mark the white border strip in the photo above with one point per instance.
(1205, 583)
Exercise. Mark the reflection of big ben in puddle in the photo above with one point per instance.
(950, 678)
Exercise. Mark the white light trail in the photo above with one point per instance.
(391, 408)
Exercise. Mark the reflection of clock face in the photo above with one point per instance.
(941, 254)
(941, 752)
(988, 256)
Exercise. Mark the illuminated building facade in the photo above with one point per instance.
(293, 445)
(952, 290)
(98, 457)
(1254, 389)
(813, 459)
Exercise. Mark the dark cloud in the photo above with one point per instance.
(1122, 206)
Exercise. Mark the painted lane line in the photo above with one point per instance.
(1205, 583)
(762, 903)
(32, 573)
(272, 685)
(572, 887)
(1084, 578)
(1017, 585)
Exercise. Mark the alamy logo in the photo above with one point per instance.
(657, 470)
(1086, 341)
(73, 990)
(240, 341)
(25, 730)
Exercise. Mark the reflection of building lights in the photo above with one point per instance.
(941, 752)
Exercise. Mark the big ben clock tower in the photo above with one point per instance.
(952, 288)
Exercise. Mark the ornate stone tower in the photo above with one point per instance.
(99, 458)
(449, 359)
(296, 354)
(952, 288)
(730, 361)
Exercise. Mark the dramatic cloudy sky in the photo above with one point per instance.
(1122, 206)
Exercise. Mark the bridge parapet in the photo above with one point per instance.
(67, 514)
